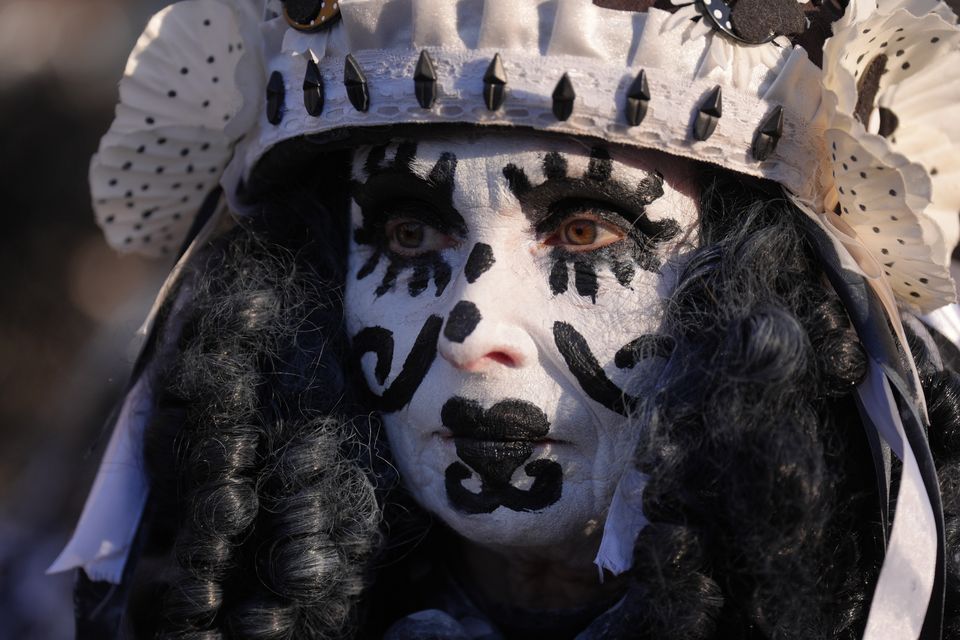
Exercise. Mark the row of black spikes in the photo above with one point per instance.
(638, 98)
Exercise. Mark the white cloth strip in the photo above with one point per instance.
(903, 590)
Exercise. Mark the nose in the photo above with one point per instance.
(478, 340)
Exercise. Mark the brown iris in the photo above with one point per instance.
(409, 235)
(579, 232)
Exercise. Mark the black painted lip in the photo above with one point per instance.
(446, 434)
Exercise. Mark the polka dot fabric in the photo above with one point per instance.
(892, 142)
(877, 195)
(171, 138)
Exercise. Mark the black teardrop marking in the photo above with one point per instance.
(624, 273)
(425, 81)
(420, 280)
(585, 279)
(463, 319)
(276, 92)
(441, 275)
(638, 99)
(563, 98)
(709, 114)
(355, 82)
(768, 135)
(495, 84)
(559, 277)
(369, 265)
(313, 89)
(389, 279)
(479, 262)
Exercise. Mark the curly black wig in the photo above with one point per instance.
(275, 511)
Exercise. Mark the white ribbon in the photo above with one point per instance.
(903, 590)
(111, 515)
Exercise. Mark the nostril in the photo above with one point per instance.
(503, 358)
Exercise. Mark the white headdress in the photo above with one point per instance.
(866, 143)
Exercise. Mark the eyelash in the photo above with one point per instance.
(400, 224)
(606, 225)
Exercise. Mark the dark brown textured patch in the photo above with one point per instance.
(868, 86)
(756, 20)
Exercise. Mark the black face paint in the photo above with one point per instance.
(601, 166)
(585, 278)
(479, 262)
(559, 278)
(379, 341)
(554, 166)
(583, 365)
(557, 199)
(463, 319)
(494, 443)
(393, 190)
(517, 180)
(646, 346)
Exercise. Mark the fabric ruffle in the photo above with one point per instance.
(892, 136)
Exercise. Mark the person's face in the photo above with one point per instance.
(503, 299)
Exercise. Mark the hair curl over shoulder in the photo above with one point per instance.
(275, 511)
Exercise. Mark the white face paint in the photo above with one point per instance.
(499, 291)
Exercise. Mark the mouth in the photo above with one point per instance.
(447, 436)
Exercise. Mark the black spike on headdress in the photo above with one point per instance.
(638, 99)
(313, 89)
(563, 97)
(425, 81)
(356, 83)
(276, 93)
(495, 84)
(768, 135)
(709, 114)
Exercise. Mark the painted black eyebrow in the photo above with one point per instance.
(389, 185)
(546, 204)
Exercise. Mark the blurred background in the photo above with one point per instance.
(72, 306)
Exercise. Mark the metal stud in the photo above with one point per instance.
(276, 93)
(563, 98)
(768, 136)
(425, 81)
(638, 99)
(495, 84)
(313, 89)
(356, 83)
(709, 114)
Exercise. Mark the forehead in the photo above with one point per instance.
(482, 157)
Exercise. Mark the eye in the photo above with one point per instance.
(410, 237)
(583, 232)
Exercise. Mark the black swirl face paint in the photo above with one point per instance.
(560, 196)
(379, 341)
(578, 355)
(395, 190)
(494, 444)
